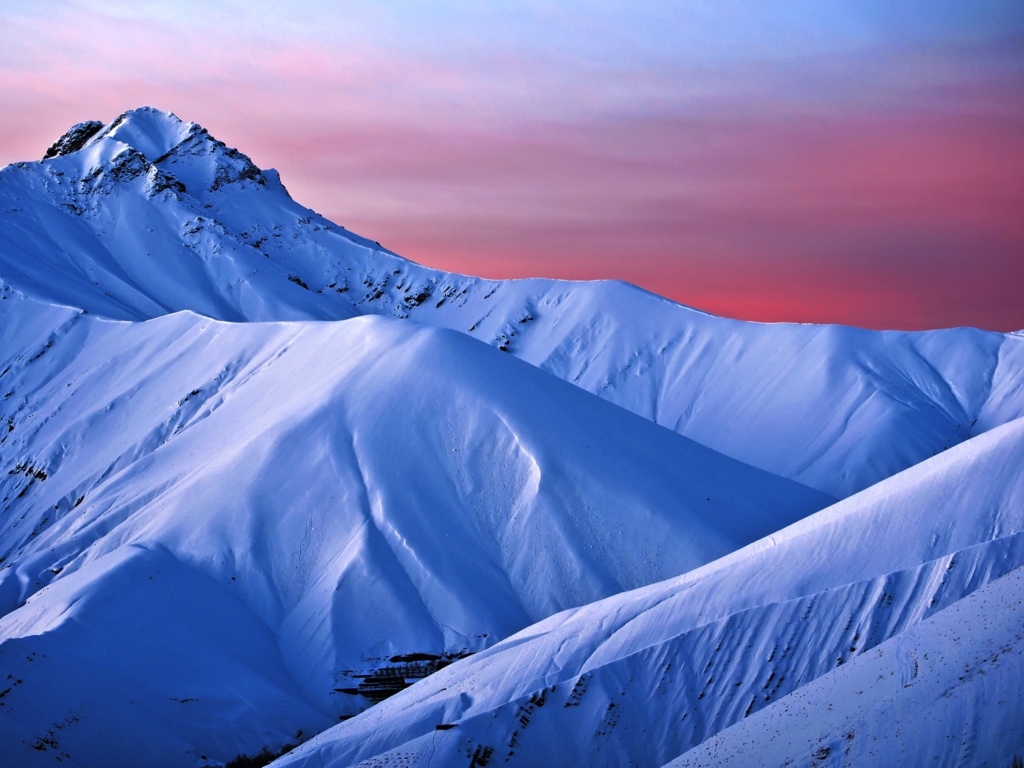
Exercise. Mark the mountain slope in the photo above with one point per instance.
(952, 684)
(642, 677)
(216, 535)
(149, 215)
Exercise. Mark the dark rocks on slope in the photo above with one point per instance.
(74, 139)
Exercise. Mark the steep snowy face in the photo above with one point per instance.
(151, 214)
(640, 678)
(947, 690)
(365, 500)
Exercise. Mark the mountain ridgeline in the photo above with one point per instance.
(151, 215)
(264, 482)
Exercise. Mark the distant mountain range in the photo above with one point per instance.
(261, 475)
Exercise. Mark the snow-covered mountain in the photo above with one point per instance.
(150, 215)
(644, 677)
(258, 473)
(360, 492)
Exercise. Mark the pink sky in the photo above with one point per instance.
(875, 178)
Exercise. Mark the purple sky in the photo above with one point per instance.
(855, 162)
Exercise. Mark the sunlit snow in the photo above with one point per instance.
(260, 473)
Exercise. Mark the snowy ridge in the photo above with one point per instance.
(642, 677)
(368, 494)
(154, 215)
(259, 473)
(952, 684)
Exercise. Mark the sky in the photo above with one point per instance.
(858, 162)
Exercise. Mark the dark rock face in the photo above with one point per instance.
(74, 139)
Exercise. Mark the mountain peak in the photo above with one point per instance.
(149, 130)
